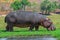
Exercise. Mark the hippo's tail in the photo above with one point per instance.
(5, 20)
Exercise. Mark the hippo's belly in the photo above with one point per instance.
(22, 25)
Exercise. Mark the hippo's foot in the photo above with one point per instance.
(30, 29)
(9, 30)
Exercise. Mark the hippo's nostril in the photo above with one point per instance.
(51, 28)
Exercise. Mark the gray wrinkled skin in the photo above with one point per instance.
(27, 19)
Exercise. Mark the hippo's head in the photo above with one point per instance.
(47, 23)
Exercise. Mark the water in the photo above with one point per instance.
(29, 38)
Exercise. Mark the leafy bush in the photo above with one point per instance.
(48, 6)
(20, 4)
(16, 5)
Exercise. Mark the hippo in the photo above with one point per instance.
(29, 19)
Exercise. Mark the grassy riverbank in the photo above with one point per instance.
(25, 32)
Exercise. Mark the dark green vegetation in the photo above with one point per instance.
(25, 31)
(16, 5)
(46, 6)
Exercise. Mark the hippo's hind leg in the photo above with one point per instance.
(31, 27)
(9, 27)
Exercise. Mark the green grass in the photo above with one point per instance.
(25, 31)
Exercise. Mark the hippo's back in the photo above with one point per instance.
(26, 16)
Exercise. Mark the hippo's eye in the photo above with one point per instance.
(50, 21)
(47, 18)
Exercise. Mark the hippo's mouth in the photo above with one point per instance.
(51, 28)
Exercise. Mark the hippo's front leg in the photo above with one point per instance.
(31, 27)
(36, 27)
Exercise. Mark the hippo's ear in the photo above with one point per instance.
(47, 18)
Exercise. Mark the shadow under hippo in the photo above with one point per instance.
(27, 19)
